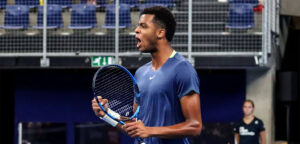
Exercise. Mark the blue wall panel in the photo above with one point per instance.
(65, 96)
(222, 96)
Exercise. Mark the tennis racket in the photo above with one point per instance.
(116, 84)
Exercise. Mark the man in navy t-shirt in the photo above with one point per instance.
(169, 85)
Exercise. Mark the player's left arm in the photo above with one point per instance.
(192, 125)
(262, 137)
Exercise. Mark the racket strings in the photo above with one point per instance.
(110, 85)
(116, 104)
(116, 85)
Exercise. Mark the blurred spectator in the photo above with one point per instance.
(250, 130)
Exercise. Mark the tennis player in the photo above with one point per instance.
(251, 129)
(169, 85)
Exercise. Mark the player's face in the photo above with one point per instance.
(248, 108)
(146, 34)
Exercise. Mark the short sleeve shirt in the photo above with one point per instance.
(161, 91)
(249, 133)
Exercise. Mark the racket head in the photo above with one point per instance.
(116, 84)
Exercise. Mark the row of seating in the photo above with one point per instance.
(99, 3)
(253, 2)
(83, 16)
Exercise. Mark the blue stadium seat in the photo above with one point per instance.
(83, 16)
(253, 2)
(147, 5)
(3, 4)
(167, 3)
(30, 3)
(62, 3)
(54, 17)
(241, 16)
(132, 3)
(124, 16)
(100, 3)
(16, 17)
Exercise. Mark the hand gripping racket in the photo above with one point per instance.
(116, 84)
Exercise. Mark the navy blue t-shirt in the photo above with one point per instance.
(249, 133)
(161, 91)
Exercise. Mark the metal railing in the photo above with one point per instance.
(202, 30)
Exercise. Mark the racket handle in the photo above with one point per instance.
(113, 113)
(109, 120)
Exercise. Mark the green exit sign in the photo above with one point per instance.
(98, 61)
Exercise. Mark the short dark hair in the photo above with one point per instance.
(164, 18)
(249, 101)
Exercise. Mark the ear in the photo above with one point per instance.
(161, 33)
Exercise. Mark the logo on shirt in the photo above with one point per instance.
(256, 122)
(151, 77)
(245, 132)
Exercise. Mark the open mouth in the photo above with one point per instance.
(138, 42)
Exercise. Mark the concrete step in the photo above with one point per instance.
(201, 16)
(201, 27)
(204, 6)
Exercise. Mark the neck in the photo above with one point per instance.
(248, 117)
(164, 51)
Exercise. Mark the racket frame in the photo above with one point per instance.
(136, 91)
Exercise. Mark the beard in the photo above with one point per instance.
(149, 50)
(151, 47)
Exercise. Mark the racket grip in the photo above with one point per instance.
(113, 113)
(109, 120)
